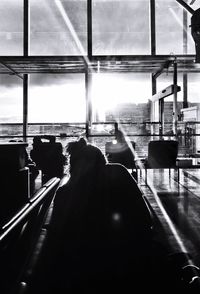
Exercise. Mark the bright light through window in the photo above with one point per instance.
(112, 90)
(57, 99)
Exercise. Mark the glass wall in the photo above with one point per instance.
(169, 27)
(122, 98)
(118, 96)
(11, 27)
(58, 27)
(193, 89)
(57, 98)
(11, 101)
(120, 27)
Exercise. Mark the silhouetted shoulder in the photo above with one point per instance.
(127, 197)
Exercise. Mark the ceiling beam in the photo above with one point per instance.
(170, 90)
(185, 6)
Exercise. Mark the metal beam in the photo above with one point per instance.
(105, 58)
(175, 112)
(88, 83)
(166, 65)
(67, 64)
(11, 70)
(26, 28)
(25, 106)
(185, 6)
(89, 28)
(153, 27)
(185, 51)
(170, 90)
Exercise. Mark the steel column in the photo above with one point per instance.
(25, 80)
(175, 115)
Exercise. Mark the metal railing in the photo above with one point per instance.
(19, 234)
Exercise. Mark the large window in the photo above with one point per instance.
(193, 89)
(121, 96)
(57, 98)
(58, 27)
(11, 101)
(11, 27)
(120, 27)
(169, 27)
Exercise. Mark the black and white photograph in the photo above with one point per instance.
(99, 146)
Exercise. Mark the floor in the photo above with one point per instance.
(177, 206)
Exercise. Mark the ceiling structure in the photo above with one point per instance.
(152, 63)
(97, 64)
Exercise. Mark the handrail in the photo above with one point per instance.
(28, 208)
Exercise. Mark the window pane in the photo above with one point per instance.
(193, 89)
(58, 27)
(11, 27)
(120, 27)
(57, 98)
(11, 100)
(169, 27)
(121, 97)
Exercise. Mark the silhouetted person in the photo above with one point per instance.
(120, 137)
(99, 228)
(33, 170)
(48, 157)
(35, 154)
(121, 151)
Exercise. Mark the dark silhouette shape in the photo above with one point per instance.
(101, 227)
(48, 157)
(14, 178)
(162, 154)
(119, 151)
(33, 170)
(195, 31)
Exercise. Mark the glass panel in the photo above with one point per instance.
(58, 27)
(11, 27)
(57, 98)
(121, 97)
(11, 110)
(120, 27)
(193, 89)
(190, 118)
(169, 27)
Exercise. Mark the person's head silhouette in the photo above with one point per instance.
(84, 156)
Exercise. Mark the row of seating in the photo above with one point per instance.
(19, 235)
(161, 154)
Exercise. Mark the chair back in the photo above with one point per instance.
(162, 154)
(121, 153)
(49, 158)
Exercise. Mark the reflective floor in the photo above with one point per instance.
(177, 206)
